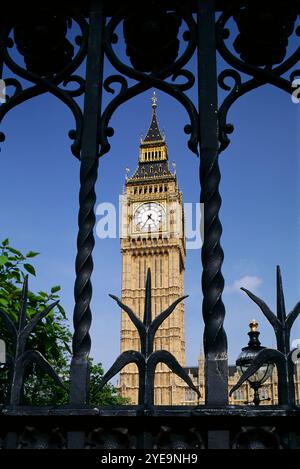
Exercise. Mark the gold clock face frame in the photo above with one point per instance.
(149, 217)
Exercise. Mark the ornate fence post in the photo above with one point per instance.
(215, 342)
(87, 198)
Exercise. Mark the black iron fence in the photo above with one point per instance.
(258, 57)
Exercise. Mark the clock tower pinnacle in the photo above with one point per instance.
(154, 239)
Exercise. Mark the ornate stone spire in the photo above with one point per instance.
(153, 158)
(153, 134)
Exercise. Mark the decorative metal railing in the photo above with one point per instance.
(147, 359)
(257, 56)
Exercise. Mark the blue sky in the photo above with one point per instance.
(260, 210)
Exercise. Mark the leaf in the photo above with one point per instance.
(62, 311)
(43, 294)
(5, 242)
(30, 269)
(3, 260)
(3, 302)
(9, 324)
(16, 275)
(32, 254)
(68, 348)
(34, 321)
(15, 251)
(55, 289)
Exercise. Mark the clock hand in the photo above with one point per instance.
(149, 216)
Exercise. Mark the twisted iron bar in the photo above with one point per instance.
(215, 341)
(213, 310)
(82, 316)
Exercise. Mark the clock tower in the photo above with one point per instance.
(153, 238)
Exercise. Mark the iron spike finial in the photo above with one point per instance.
(148, 306)
(147, 359)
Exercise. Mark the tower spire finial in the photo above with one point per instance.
(154, 100)
(153, 134)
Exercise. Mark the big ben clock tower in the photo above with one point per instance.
(154, 238)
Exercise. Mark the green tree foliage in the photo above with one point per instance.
(51, 337)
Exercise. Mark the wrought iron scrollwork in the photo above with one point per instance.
(264, 31)
(148, 31)
(147, 360)
(50, 61)
(167, 67)
(172, 438)
(34, 438)
(257, 438)
(41, 38)
(18, 362)
(110, 438)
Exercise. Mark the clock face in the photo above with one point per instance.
(149, 216)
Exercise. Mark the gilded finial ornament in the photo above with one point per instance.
(253, 325)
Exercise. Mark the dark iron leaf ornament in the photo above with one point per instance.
(262, 52)
(41, 39)
(151, 37)
(147, 360)
(22, 358)
(264, 30)
(46, 59)
(257, 438)
(281, 357)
